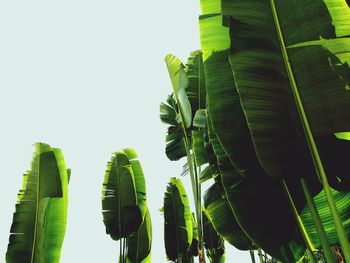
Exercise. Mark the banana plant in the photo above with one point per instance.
(178, 226)
(188, 96)
(39, 222)
(124, 207)
(302, 111)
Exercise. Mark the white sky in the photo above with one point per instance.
(88, 77)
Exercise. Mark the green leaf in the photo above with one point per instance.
(39, 222)
(343, 135)
(175, 147)
(193, 249)
(121, 212)
(206, 174)
(200, 119)
(180, 83)
(213, 242)
(318, 56)
(239, 167)
(223, 103)
(343, 205)
(139, 244)
(139, 178)
(178, 233)
(199, 149)
(218, 211)
(196, 91)
(168, 111)
(293, 84)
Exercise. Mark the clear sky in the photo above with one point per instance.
(88, 77)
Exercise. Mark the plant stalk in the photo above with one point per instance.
(318, 223)
(251, 252)
(304, 234)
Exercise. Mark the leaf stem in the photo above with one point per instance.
(251, 252)
(304, 234)
(318, 224)
(260, 256)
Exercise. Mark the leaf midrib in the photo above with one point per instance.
(36, 207)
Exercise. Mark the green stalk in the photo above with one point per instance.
(260, 256)
(120, 228)
(195, 189)
(318, 224)
(120, 251)
(307, 241)
(343, 239)
(251, 252)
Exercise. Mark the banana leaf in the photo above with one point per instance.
(342, 200)
(139, 244)
(193, 250)
(122, 214)
(218, 211)
(140, 183)
(175, 147)
(180, 83)
(178, 230)
(277, 45)
(39, 222)
(237, 161)
(196, 91)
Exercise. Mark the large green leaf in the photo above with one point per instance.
(39, 222)
(122, 215)
(180, 83)
(178, 231)
(239, 167)
(139, 244)
(196, 91)
(193, 250)
(218, 211)
(222, 102)
(213, 242)
(343, 204)
(140, 183)
(270, 53)
(175, 147)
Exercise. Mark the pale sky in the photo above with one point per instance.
(88, 77)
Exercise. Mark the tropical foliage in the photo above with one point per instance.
(124, 207)
(271, 127)
(39, 222)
